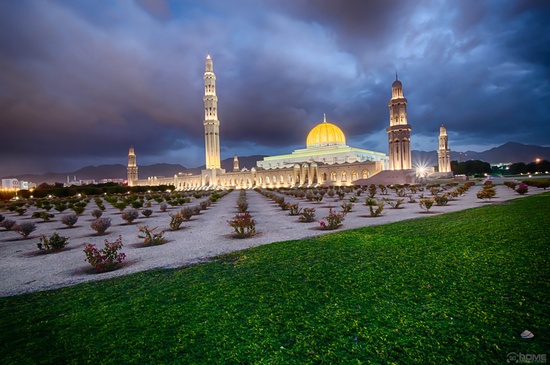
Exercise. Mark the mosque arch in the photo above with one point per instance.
(365, 174)
(333, 176)
(354, 175)
(344, 176)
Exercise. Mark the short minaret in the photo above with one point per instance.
(211, 122)
(444, 153)
(235, 163)
(399, 131)
(132, 167)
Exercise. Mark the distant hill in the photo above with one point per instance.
(119, 171)
(508, 152)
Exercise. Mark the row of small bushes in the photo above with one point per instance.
(243, 224)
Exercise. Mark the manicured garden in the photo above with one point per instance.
(455, 288)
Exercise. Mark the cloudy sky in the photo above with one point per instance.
(82, 80)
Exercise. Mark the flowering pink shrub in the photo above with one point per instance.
(107, 258)
(522, 189)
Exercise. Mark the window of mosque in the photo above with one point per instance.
(344, 176)
(324, 177)
(354, 175)
(267, 181)
(333, 176)
(365, 174)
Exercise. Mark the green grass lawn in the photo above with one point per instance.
(456, 288)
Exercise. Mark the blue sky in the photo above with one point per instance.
(81, 81)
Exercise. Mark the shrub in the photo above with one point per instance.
(100, 225)
(376, 208)
(78, 209)
(340, 194)
(372, 190)
(394, 204)
(163, 206)
(400, 193)
(522, 189)
(196, 210)
(331, 193)
(318, 198)
(107, 258)
(204, 204)
(146, 212)
(353, 199)
(60, 207)
(175, 221)
(97, 213)
(294, 209)
(24, 229)
(334, 220)
(242, 205)
(7, 224)
(69, 220)
(346, 207)
(383, 189)
(307, 215)
(137, 204)
(1, 217)
(54, 243)
(442, 199)
(150, 238)
(426, 204)
(186, 213)
(243, 224)
(21, 211)
(45, 216)
(130, 215)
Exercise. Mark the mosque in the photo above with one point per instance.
(326, 160)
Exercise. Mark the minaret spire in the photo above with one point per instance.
(399, 131)
(444, 153)
(211, 122)
(132, 167)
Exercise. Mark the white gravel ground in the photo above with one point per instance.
(24, 269)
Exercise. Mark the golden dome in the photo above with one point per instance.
(325, 134)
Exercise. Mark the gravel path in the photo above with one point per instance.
(25, 269)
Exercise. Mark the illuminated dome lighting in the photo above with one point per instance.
(325, 134)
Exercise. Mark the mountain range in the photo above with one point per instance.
(507, 153)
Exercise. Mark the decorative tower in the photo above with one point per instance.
(235, 163)
(399, 131)
(132, 167)
(211, 122)
(444, 153)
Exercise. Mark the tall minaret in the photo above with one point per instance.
(132, 167)
(236, 163)
(444, 153)
(211, 122)
(399, 131)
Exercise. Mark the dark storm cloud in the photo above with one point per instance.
(80, 81)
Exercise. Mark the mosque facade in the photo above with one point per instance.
(326, 160)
